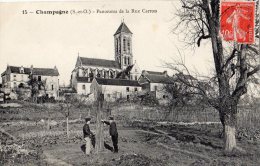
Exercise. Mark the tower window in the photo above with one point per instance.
(128, 60)
(128, 45)
(98, 74)
(125, 60)
(124, 44)
(83, 87)
(52, 88)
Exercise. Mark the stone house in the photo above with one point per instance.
(153, 83)
(15, 77)
(114, 89)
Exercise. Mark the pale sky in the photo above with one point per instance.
(49, 40)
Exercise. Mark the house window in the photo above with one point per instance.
(127, 89)
(14, 75)
(83, 87)
(111, 74)
(127, 97)
(155, 88)
(39, 78)
(135, 77)
(108, 95)
(135, 89)
(15, 85)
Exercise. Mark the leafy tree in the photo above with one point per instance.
(36, 85)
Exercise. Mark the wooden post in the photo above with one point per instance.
(259, 28)
(99, 146)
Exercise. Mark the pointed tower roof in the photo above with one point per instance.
(123, 28)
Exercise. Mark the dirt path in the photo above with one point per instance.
(52, 161)
(131, 143)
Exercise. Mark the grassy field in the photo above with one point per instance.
(171, 137)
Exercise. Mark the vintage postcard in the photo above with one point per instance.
(130, 83)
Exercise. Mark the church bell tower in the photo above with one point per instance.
(123, 46)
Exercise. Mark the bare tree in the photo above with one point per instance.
(199, 20)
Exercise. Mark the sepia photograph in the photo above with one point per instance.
(130, 83)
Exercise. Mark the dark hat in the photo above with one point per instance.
(87, 119)
(111, 118)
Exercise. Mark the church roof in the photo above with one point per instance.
(117, 82)
(123, 28)
(99, 62)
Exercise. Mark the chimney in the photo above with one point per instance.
(31, 69)
(55, 68)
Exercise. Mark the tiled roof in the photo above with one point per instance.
(117, 82)
(184, 76)
(45, 71)
(15, 69)
(123, 28)
(82, 79)
(36, 71)
(155, 72)
(99, 62)
(159, 79)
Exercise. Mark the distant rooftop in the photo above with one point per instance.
(35, 71)
(117, 82)
(156, 77)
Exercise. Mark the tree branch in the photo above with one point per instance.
(202, 37)
(255, 70)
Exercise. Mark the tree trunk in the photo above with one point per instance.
(230, 119)
(67, 120)
(222, 120)
(230, 138)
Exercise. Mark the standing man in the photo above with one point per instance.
(87, 134)
(113, 132)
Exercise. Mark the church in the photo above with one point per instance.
(122, 68)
